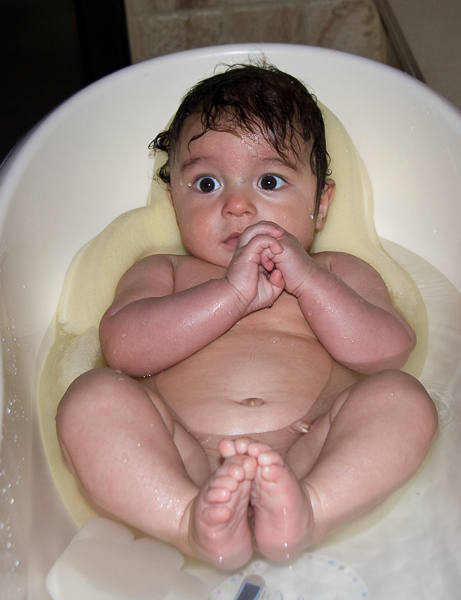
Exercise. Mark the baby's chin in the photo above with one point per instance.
(219, 259)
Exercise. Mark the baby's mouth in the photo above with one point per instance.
(232, 240)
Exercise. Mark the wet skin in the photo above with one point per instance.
(234, 412)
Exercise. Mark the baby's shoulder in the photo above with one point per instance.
(177, 271)
(191, 271)
(334, 260)
(355, 271)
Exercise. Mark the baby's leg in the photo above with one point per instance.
(378, 434)
(134, 462)
(372, 441)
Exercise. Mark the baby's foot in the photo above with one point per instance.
(220, 527)
(283, 515)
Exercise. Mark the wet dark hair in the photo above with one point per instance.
(258, 98)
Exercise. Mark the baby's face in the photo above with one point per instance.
(223, 182)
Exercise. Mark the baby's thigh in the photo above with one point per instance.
(389, 405)
(393, 396)
(122, 407)
(111, 397)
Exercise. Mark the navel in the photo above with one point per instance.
(252, 401)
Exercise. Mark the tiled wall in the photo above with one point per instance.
(158, 27)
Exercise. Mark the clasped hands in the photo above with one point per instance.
(267, 261)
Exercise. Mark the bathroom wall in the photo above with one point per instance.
(158, 27)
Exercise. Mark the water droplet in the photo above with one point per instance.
(274, 340)
(124, 334)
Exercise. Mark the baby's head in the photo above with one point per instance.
(258, 99)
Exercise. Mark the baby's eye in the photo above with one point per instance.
(270, 182)
(207, 184)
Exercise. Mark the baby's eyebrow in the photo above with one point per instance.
(279, 161)
(189, 163)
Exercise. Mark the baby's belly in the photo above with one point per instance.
(251, 384)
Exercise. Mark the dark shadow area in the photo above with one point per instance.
(50, 49)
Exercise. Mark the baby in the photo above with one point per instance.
(253, 397)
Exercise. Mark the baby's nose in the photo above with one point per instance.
(239, 203)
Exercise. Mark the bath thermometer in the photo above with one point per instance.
(311, 576)
(251, 588)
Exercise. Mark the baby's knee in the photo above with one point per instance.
(396, 394)
(87, 395)
(412, 401)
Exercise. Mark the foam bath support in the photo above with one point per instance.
(88, 162)
(90, 283)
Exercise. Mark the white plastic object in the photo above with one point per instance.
(88, 162)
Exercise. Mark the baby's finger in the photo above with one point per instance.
(267, 257)
(261, 228)
(276, 278)
(262, 242)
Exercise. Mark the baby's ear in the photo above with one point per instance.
(326, 199)
(168, 191)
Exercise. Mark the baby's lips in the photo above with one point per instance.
(233, 239)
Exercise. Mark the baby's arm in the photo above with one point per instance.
(347, 305)
(150, 327)
(350, 310)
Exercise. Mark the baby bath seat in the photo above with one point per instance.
(88, 162)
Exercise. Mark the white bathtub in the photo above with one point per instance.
(88, 162)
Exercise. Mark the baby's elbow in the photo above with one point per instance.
(114, 350)
(394, 359)
(125, 351)
(113, 356)
(106, 341)
(404, 348)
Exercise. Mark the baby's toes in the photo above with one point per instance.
(242, 444)
(227, 448)
(269, 458)
(226, 481)
(218, 495)
(255, 449)
(230, 448)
